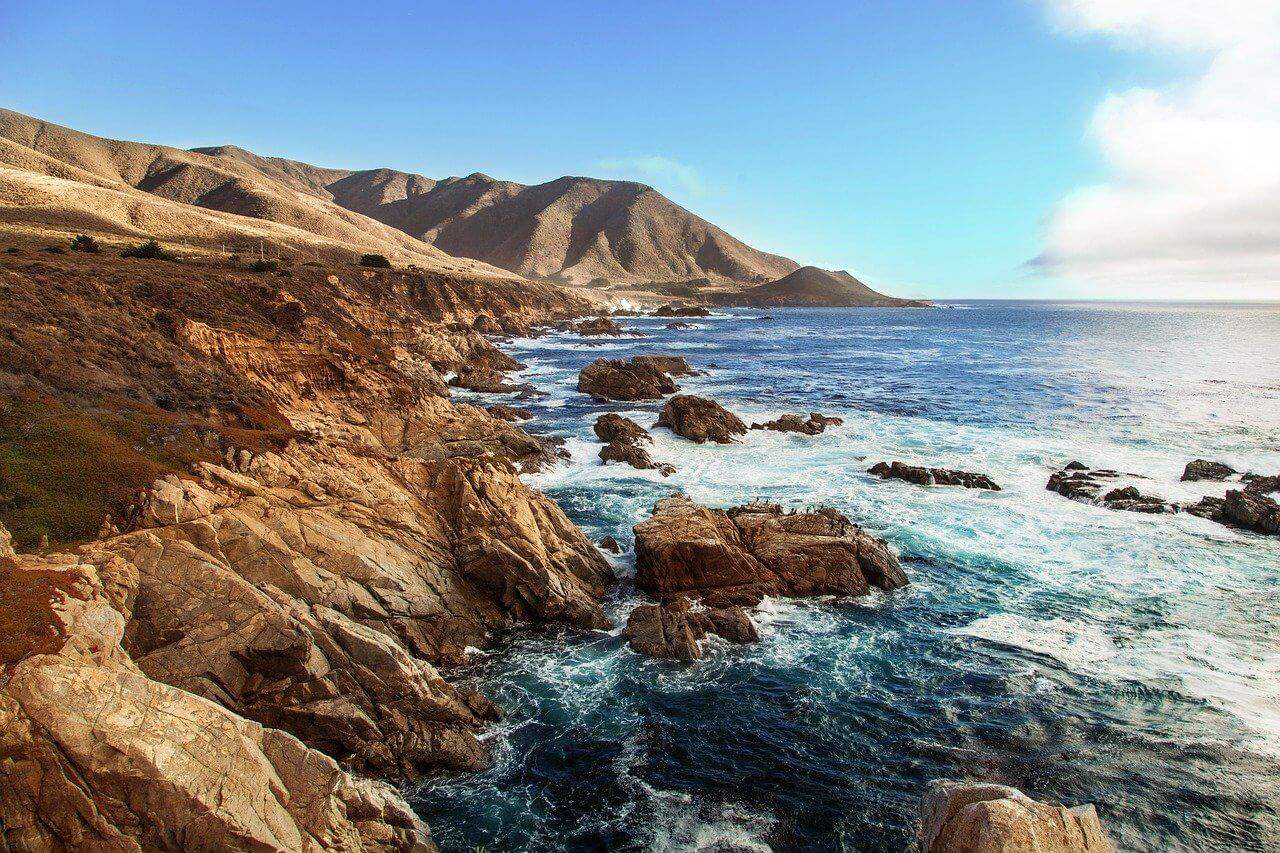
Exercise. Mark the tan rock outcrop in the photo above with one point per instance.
(701, 420)
(641, 378)
(737, 557)
(675, 630)
(96, 755)
(960, 817)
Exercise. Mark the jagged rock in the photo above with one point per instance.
(932, 476)
(1244, 509)
(509, 414)
(1203, 469)
(739, 556)
(6, 542)
(598, 326)
(674, 630)
(701, 420)
(96, 755)
(486, 325)
(965, 817)
(642, 378)
(676, 310)
(316, 594)
(611, 545)
(679, 325)
(636, 457)
(1261, 485)
(1081, 483)
(611, 427)
(813, 425)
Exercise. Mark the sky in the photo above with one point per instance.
(991, 148)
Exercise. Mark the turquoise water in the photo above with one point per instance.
(1078, 653)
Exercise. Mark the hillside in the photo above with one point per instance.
(572, 229)
(134, 189)
(812, 287)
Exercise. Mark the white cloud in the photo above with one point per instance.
(1193, 194)
(656, 170)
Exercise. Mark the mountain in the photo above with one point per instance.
(812, 287)
(55, 178)
(572, 229)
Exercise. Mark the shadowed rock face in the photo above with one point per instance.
(959, 817)
(932, 476)
(1203, 469)
(94, 754)
(701, 420)
(1244, 509)
(641, 378)
(1079, 482)
(737, 557)
(623, 437)
(675, 630)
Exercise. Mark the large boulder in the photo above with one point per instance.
(737, 557)
(95, 755)
(701, 420)
(813, 425)
(641, 378)
(597, 327)
(932, 476)
(1203, 469)
(1244, 509)
(623, 437)
(614, 427)
(961, 817)
(675, 630)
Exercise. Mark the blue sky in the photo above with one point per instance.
(922, 145)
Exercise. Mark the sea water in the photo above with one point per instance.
(1078, 653)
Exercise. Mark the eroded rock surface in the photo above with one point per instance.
(1081, 483)
(701, 420)
(94, 754)
(932, 476)
(961, 817)
(813, 425)
(641, 378)
(1204, 469)
(737, 557)
(623, 438)
(675, 630)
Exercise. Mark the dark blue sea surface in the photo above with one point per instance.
(1081, 654)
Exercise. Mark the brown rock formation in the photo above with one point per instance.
(1203, 469)
(932, 476)
(739, 556)
(701, 420)
(674, 630)
(598, 326)
(959, 817)
(672, 309)
(96, 755)
(1081, 483)
(642, 378)
(816, 423)
(622, 437)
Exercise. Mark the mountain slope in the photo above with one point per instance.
(819, 288)
(573, 229)
(150, 188)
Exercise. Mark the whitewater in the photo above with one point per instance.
(1079, 653)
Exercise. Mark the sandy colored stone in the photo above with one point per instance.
(960, 817)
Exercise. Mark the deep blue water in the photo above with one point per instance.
(1081, 654)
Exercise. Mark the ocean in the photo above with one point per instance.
(1078, 653)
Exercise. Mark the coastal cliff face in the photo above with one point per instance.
(302, 531)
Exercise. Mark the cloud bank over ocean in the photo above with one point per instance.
(1192, 196)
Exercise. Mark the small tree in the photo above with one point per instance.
(379, 261)
(85, 243)
(150, 249)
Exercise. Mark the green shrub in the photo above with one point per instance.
(150, 249)
(85, 243)
(379, 261)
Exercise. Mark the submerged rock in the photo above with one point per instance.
(679, 325)
(701, 420)
(1203, 469)
(932, 476)
(966, 817)
(678, 310)
(641, 378)
(815, 424)
(674, 630)
(1081, 483)
(737, 557)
